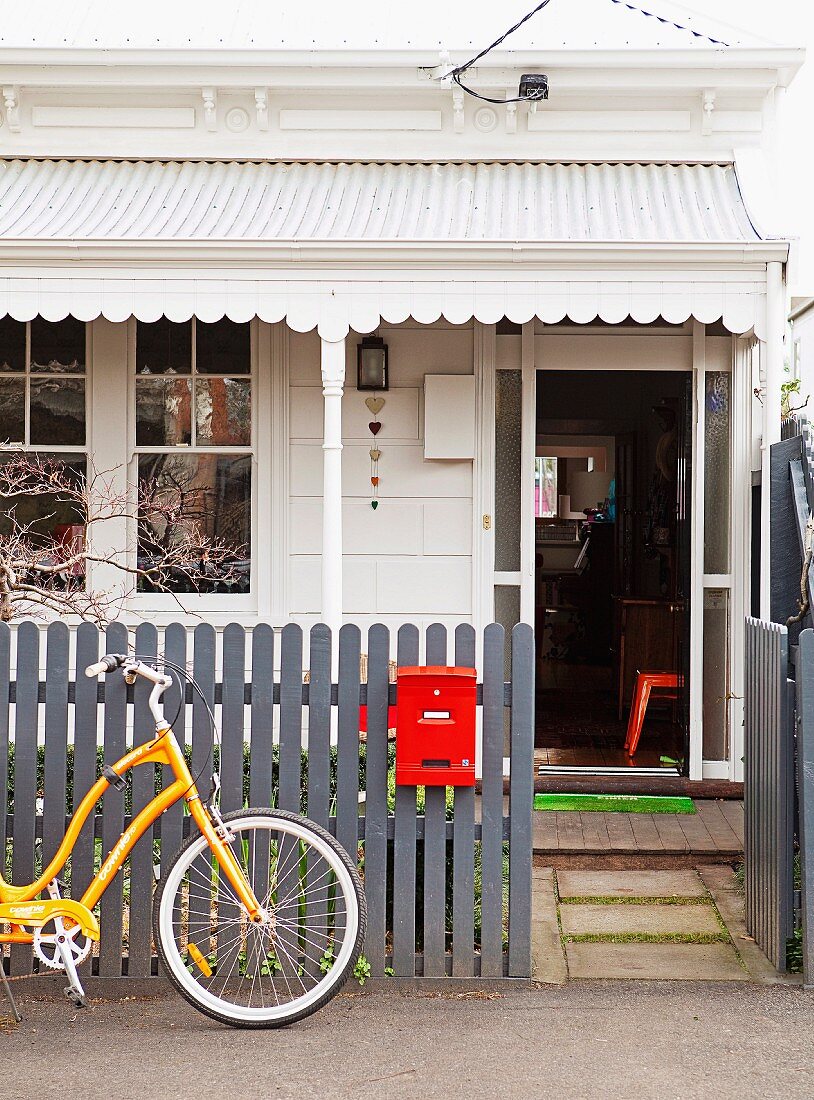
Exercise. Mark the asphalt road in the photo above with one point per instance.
(582, 1040)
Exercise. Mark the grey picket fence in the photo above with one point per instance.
(448, 890)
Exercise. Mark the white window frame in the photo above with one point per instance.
(230, 605)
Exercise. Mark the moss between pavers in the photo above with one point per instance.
(646, 937)
(672, 899)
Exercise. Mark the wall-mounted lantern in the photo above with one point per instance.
(371, 364)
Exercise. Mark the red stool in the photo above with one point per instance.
(667, 682)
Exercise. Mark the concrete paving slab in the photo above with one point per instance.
(656, 920)
(681, 882)
(547, 958)
(712, 962)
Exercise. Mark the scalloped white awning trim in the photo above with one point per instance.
(337, 302)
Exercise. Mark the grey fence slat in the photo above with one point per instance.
(5, 710)
(115, 724)
(319, 725)
(231, 770)
(463, 843)
(56, 739)
(203, 671)
(435, 843)
(492, 804)
(404, 841)
(25, 770)
(347, 762)
(319, 791)
(86, 713)
(376, 813)
(521, 798)
(805, 772)
(262, 716)
(290, 752)
(172, 822)
(768, 789)
(139, 938)
(232, 708)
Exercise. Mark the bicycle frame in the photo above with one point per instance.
(163, 749)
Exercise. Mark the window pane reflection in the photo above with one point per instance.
(212, 493)
(222, 347)
(163, 347)
(163, 412)
(58, 347)
(12, 344)
(223, 412)
(12, 410)
(57, 411)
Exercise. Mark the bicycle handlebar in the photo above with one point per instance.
(111, 661)
(108, 663)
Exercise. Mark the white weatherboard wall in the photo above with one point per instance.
(411, 559)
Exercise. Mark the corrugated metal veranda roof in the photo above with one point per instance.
(90, 201)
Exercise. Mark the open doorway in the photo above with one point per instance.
(611, 565)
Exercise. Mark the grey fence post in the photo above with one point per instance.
(805, 793)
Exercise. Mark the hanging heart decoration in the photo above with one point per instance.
(375, 404)
(374, 481)
(375, 426)
(374, 504)
(375, 454)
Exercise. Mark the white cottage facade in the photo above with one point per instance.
(226, 214)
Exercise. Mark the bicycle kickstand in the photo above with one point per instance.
(7, 989)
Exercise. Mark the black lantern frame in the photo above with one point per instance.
(371, 364)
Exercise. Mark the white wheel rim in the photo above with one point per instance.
(267, 1012)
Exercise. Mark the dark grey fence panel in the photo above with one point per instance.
(463, 842)
(768, 789)
(376, 811)
(115, 745)
(172, 822)
(421, 922)
(86, 714)
(139, 939)
(290, 752)
(521, 800)
(492, 804)
(347, 750)
(404, 841)
(805, 793)
(5, 710)
(56, 739)
(25, 767)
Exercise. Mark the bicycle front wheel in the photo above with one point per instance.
(252, 975)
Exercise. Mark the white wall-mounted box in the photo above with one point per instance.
(449, 416)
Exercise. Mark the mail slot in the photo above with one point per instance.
(435, 734)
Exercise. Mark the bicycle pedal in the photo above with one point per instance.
(76, 997)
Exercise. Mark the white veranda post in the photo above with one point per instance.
(333, 381)
(773, 367)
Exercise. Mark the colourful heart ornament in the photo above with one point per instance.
(375, 426)
(375, 404)
(374, 504)
(374, 481)
(375, 454)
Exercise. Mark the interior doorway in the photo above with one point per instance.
(611, 573)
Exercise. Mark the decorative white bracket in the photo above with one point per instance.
(210, 103)
(708, 104)
(511, 112)
(457, 109)
(11, 101)
(261, 106)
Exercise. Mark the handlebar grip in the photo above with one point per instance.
(107, 664)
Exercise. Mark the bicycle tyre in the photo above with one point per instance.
(194, 864)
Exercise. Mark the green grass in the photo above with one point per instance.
(646, 937)
(670, 899)
(615, 803)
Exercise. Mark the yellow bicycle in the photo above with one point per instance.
(258, 919)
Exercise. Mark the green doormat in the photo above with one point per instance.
(620, 803)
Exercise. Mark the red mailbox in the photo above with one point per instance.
(435, 734)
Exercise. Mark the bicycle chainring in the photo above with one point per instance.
(46, 946)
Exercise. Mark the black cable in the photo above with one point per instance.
(456, 72)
